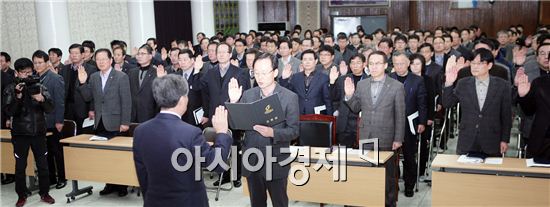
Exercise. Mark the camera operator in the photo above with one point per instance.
(27, 102)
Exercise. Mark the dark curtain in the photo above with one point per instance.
(172, 21)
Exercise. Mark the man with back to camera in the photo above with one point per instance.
(157, 139)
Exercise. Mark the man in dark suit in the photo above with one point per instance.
(8, 77)
(415, 102)
(190, 71)
(109, 92)
(250, 56)
(346, 120)
(156, 141)
(312, 86)
(496, 70)
(54, 120)
(214, 91)
(277, 137)
(440, 57)
(486, 107)
(382, 102)
(76, 108)
(119, 60)
(141, 78)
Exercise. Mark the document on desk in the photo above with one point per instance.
(493, 160)
(471, 160)
(411, 125)
(198, 114)
(87, 122)
(98, 138)
(531, 163)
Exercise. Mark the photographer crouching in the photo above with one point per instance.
(27, 102)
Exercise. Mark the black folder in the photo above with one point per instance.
(267, 112)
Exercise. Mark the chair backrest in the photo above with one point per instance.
(317, 130)
(69, 129)
(209, 134)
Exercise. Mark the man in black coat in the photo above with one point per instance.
(76, 108)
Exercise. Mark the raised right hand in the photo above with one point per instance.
(82, 75)
(287, 71)
(219, 120)
(234, 90)
(333, 74)
(349, 88)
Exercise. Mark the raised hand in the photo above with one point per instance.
(349, 88)
(134, 51)
(519, 55)
(343, 68)
(198, 64)
(234, 90)
(523, 84)
(519, 73)
(161, 71)
(287, 71)
(451, 71)
(219, 120)
(190, 46)
(235, 62)
(82, 75)
(163, 53)
(333, 75)
(117, 67)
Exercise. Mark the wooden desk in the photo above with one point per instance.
(365, 185)
(8, 158)
(510, 184)
(99, 161)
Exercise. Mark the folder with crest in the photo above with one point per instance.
(267, 112)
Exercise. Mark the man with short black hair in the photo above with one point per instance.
(55, 119)
(285, 47)
(55, 59)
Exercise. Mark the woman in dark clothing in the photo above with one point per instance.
(418, 67)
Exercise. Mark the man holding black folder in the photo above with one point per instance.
(277, 137)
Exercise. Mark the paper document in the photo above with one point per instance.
(87, 122)
(466, 159)
(318, 109)
(198, 114)
(411, 125)
(493, 160)
(98, 138)
(532, 163)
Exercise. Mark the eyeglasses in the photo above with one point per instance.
(543, 54)
(142, 53)
(478, 63)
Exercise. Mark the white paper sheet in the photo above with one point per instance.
(87, 122)
(531, 163)
(493, 160)
(198, 114)
(98, 138)
(466, 159)
(411, 125)
(318, 109)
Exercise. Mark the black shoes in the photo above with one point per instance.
(225, 180)
(237, 183)
(107, 190)
(60, 184)
(122, 192)
(9, 179)
(409, 192)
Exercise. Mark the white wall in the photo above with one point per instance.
(99, 21)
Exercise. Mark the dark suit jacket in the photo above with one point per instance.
(430, 96)
(317, 95)
(337, 96)
(8, 78)
(154, 142)
(56, 87)
(113, 104)
(415, 99)
(436, 73)
(214, 88)
(481, 130)
(194, 96)
(77, 106)
(537, 102)
(284, 132)
(144, 106)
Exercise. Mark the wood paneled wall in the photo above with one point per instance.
(419, 14)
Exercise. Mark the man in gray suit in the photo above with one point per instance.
(109, 92)
(277, 137)
(381, 101)
(486, 106)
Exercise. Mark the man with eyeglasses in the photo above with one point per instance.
(415, 102)
(381, 101)
(278, 136)
(486, 106)
(54, 120)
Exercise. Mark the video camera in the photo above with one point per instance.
(31, 83)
